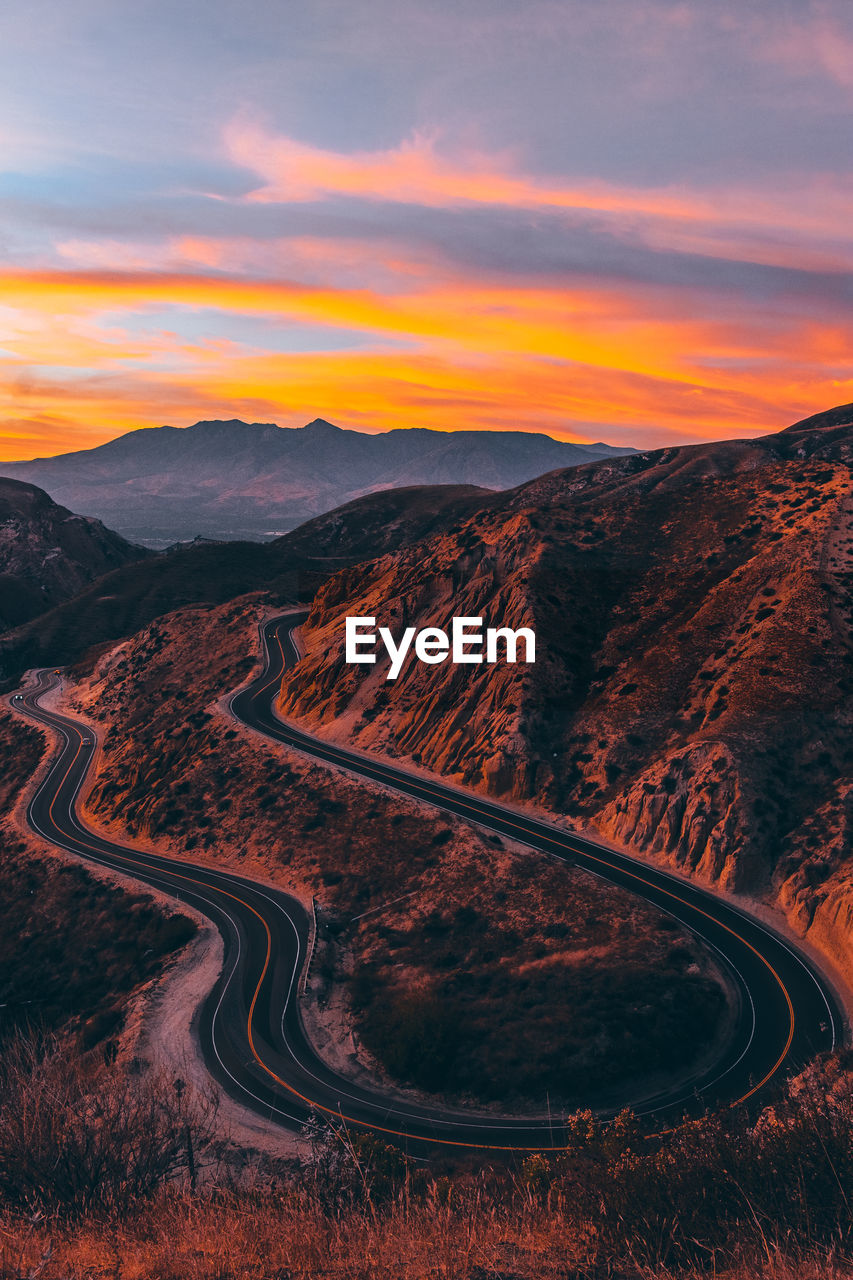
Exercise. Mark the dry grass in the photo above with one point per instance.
(96, 1178)
(80, 1133)
(285, 1235)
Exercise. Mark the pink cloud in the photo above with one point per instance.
(415, 172)
(784, 223)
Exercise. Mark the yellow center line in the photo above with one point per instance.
(334, 1112)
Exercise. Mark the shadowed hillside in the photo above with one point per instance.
(289, 569)
(51, 977)
(47, 554)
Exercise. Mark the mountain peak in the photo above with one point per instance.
(225, 478)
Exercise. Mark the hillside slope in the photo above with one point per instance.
(289, 569)
(48, 554)
(252, 480)
(693, 689)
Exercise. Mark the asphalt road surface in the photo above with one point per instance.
(250, 1027)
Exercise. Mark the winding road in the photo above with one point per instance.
(250, 1027)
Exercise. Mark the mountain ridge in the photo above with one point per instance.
(226, 478)
(207, 572)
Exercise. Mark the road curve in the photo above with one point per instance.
(250, 1026)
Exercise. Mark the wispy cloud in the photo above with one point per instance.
(628, 219)
(767, 222)
(415, 172)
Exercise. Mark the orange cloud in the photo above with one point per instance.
(641, 365)
(379, 391)
(642, 330)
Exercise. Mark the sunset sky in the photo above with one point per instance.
(625, 220)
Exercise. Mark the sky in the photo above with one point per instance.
(620, 220)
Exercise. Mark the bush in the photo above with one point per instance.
(79, 1134)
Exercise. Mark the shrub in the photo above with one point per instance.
(79, 1134)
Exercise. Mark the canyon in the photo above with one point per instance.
(690, 699)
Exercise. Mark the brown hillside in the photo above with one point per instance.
(692, 690)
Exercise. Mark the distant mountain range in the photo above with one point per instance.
(256, 480)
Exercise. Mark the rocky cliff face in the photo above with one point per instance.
(693, 688)
(47, 554)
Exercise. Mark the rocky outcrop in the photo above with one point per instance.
(692, 810)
